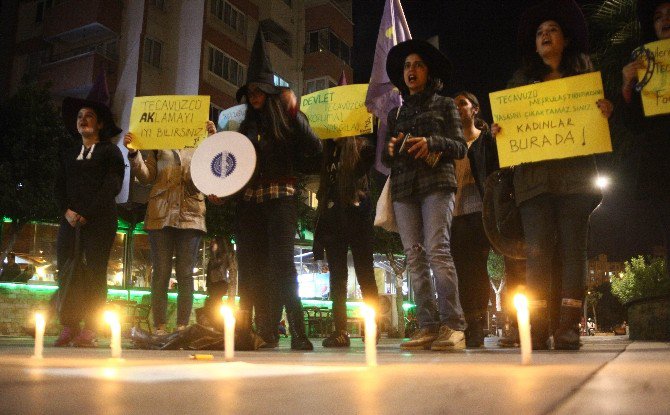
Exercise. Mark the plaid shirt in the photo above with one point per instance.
(263, 192)
(435, 117)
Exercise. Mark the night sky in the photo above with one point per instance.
(479, 37)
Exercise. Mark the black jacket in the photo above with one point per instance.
(281, 159)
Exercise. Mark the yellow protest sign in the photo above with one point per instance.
(338, 112)
(656, 93)
(550, 120)
(164, 122)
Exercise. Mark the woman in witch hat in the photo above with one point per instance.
(423, 189)
(555, 197)
(90, 177)
(267, 211)
(653, 175)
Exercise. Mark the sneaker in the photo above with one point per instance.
(511, 339)
(65, 337)
(86, 338)
(474, 334)
(160, 332)
(449, 339)
(338, 338)
(420, 340)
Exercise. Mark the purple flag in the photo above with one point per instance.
(382, 96)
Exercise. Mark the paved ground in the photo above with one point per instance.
(610, 375)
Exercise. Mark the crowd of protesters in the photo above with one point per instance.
(440, 153)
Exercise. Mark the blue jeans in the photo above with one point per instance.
(556, 229)
(424, 224)
(183, 244)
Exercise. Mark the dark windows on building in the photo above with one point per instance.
(325, 39)
(317, 84)
(152, 52)
(277, 35)
(225, 67)
(229, 15)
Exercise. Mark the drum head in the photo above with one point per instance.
(223, 164)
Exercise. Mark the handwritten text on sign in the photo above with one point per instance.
(338, 112)
(550, 120)
(165, 122)
(656, 94)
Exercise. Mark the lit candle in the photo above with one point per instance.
(112, 319)
(370, 335)
(228, 332)
(523, 319)
(40, 325)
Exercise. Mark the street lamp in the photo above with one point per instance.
(602, 182)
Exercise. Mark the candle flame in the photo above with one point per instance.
(227, 312)
(520, 302)
(111, 317)
(39, 318)
(367, 312)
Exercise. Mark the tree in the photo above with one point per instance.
(496, 270)
(641, 278)
(32, 138)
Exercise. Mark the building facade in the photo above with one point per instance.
(601, 270)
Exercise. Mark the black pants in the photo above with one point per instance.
(97, 237)
(470, 249)
(344, 228)
(267, 274)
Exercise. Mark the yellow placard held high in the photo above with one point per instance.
(656, 93)
(165, 122)
(338, 112)
(550, 120)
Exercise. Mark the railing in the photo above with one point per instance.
(102, 48)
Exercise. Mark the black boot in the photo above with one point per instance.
(566, 337)
(474, 334)
(299, 340)
(245, 338)
(539, 325)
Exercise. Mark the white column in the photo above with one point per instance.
(189, 51)
(126, 88)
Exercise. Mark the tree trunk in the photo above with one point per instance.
(595, 317)
(498, 292)
(398, 304)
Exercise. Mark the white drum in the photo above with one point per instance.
(223, 164)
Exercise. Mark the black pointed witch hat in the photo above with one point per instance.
(260, 69)
(98, 100)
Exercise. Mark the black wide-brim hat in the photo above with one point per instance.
(71, 107)
(645, 14)
(566, 13)
(438, 64)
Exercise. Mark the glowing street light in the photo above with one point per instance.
(602, 182)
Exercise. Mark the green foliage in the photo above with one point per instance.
(31, 140)
(495, 265)
(642, 278)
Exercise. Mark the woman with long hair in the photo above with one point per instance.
(555, 197)
(469, 244)
(425, 137)
(344, 220)
(267, 209)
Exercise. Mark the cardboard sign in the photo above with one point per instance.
(550, 120)
(656, 93)
(230, 119)
(165, 122)
(338, 112)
